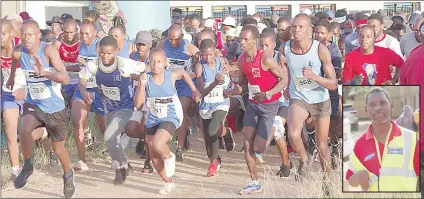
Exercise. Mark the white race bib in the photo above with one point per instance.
(305, 84)
(215, 96)
(253, 89)
(39, 91)
(112, 93)
(159, 110)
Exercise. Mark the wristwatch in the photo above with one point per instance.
(267, 95)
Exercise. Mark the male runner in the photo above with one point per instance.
(44, 104)
(179, 53)
(158, 90)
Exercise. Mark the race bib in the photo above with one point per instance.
(112, 93)
(91, 83)
(215, 96)
(253, 89)
(39, 91)
(179, 64)
(305, 84)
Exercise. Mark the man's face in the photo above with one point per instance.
(226, 28)
(321, 33)
(247, 40)
(157, 62)
(268, 45)
(208, 54)
(378, 107)
(56, 27)
(283, 29)
(175, 39)
(30, 35)
(117, 34)
(378, 27)
(107, 54)
(87, 34)
(195, 23)
(142, 49)
(366, 38)
(399, 34)
(300, 29)
(69, 32)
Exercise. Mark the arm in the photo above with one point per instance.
(181, 74)
(140, 98)
(283, 62)
(396, 61)
(329, 80)
(16, 59)
(199, 81)
(192, 49)
(270, 64)
(132, 68)
(60, 76)
(347, 72)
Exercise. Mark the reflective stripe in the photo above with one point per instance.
(397, 172)
(372, 180)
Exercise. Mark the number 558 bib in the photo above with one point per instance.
(305, 84)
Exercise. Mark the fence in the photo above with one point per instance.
(268, 11)
(237, 12)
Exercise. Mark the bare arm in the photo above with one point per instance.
(60, 76)
(270, 64)
(330, 80)
(192, 49)
(283, 62)
(140, 98)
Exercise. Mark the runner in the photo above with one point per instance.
(68, 47)
(283, 28)
(11, 100)
(44, 104)
(262, 75)
(311, 76)
(364, 65)
(16, 22)
(268, 44)
(212, 81)
(179, 53)
(56, 26)
(381, 39)
(125, 47)
(88, 50)
(165, 112)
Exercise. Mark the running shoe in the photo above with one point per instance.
(69, 186)
(121, 174)
(229, 140)
(252, 187)
(80, 166)
(259, 158)
(167, 187)
(213, 168)
(169, 166)
(147, 167)
(301, 173)
(284, 171)
(22, 178)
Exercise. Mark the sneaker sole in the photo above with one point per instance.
(24, 184)
(252, 192)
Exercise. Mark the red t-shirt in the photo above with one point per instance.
(412, 74)
(375, 67)
(365, 151)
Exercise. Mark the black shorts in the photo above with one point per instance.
(55, 123)
(167, 126)
(334, 97)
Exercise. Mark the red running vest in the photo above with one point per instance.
(69, 53)
(6, 62)
(255, 75)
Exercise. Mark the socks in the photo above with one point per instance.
(15, 170)
(28, 162)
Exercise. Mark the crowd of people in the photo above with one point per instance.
(259, 77)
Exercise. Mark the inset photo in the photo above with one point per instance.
(380, 138)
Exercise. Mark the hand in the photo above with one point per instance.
(363, 179)
(19, 94)
(196, 96)
(142, 80)
(38, 66)
(82, 61)
(87, 97)
(286, 94)
(259, 97)
(10, 83)
(307, 72)
(219, 78)
(227, 93)
(357, 80)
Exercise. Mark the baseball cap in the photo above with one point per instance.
(307, 11)
(25, 16)
(413, 18)
(55, 19)
(397, 18)
(232, 32)
(330, 15)
(209, 23)
(143, 37)
(14, 17)
(340, 16)
(261, 27)
(387, 22)
(66, 16)
(348, 26)
(229, 21)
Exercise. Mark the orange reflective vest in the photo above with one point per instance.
(397, 165)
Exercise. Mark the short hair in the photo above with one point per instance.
(376, 17)
(271, 35)
(335, 25)
(195, 17)
(399, 26)
(324, 23)
(268, 30)
(207, 43)
(253, 30)
(157, 50)
(377, 90)
(177, 10)
(118, 22)
(250, 21)
(360, 16)
(109, 41)
(211, 33)
(368, 27)
(31, 22)
(322, 15)
(283, 19)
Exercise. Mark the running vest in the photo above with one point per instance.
(41, 92)
(125, 51)
(6, 64)
(215, 98)
(219, 44)
(69, 56)
(282, 100)
(136, 57)
(89, 53)
(116, 88)
(161, 99)
(301, 87)
(397, 167)
(258, 79)
(178, 58)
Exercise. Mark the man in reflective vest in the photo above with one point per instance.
(394, 164)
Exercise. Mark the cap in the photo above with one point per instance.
(143, 37)
(55, 19)
(25, 16)
(383, 13)
(229, 21)
(348, 26)
(330, 15)
(413, 18)
(14, 17)
(397, 18)
(232, 32)
(307, 11)
(66, 16)
(261, 27)
(340, 16)
(209, 23)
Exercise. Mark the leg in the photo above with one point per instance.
(182, 131)
(79, 118)
(322, 127)
(212, 132)
(11, 128)
(282, 145)
(165, 165)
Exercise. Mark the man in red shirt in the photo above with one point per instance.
(374, 160)
(370, 64)
(412, 73)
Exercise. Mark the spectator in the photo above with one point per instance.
(411, 40)
(47, 36)
(351, 42)
(383, 40)
(406, 119)
(25, 16)
(56, 25)
(399, 29)
(229, 22)
(340, 16)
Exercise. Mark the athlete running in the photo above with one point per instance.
(179, 53)
(125, 47)
(158, 90)
(44, 104)
(311, 75)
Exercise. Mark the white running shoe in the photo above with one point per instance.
(167, 187)
(169, 165)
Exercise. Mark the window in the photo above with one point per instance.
(394, 7)
(237, 11)
(280, 10)
(187, 11)
(318, 7)
(76, 12)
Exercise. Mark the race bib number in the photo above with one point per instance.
(39, 91)
(305, 84)
(91, 83)
(112, 93)
(215, 96)
(179, 64)
(159, 110)
(253, 89)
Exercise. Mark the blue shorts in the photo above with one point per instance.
(183, 89)
(8, 102)
(97, 105)
(70, 89)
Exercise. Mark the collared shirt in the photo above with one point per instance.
(366, 152)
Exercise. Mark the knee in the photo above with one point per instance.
(157, 145)
(248, 145)
(259, 146)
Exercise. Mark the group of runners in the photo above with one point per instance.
(220, 80)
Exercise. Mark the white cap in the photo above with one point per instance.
(209, 23)
(188, 37)
(307, 11)
(418, 12)
(232, 32)
(261, 27)
(367, 14)
(229, 21)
